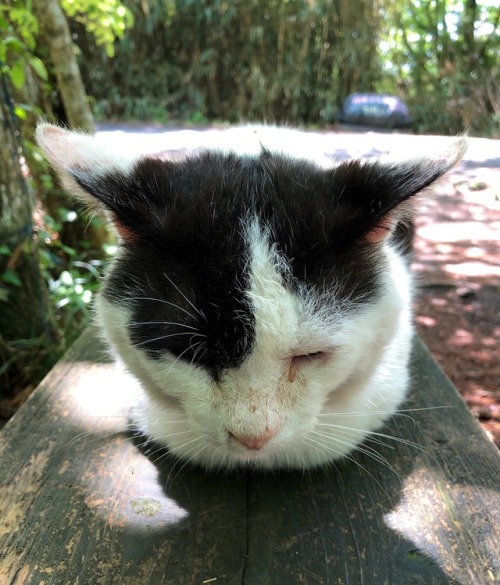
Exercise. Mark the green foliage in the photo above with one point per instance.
(295, 61)
(18, 28)
(106, 20)
(8, 276)
(68, 267)
(72, 274)
(443, 57)
(256, 60)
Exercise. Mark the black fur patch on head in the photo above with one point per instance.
(185, 271)
(190, 307)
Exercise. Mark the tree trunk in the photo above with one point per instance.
(467, 26)
(54, 31)
(27, 334)
(54, 28)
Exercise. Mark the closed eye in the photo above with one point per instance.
(304, 359)
(307, 358)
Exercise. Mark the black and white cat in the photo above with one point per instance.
(262, 300)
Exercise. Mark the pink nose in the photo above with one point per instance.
(257, 441)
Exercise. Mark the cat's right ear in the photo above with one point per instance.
(90, 171)
(79, 159)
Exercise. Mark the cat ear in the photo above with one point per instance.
(75, 154)
(85, 166)
(377, 196)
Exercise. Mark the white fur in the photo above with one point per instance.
(76, 150)
(321, 415)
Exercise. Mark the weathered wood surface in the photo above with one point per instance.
(82, 503)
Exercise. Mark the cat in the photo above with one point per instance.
(262, 300)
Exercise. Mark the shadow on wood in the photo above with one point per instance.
(82, 501)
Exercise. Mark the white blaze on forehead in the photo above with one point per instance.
(276, 309)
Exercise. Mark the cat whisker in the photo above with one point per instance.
(375, 437)
(325, 449)
(96, 435)
(330, 449)
(222, 462)
(300, 455)
(200, 348)
(196, 310)
(184, 325)
(170, 435)
(178, 358)
(152, 299)
(164, 454)
(400, 412)
(160, 337)
(366, 449)
(188, 457)
(349, 433)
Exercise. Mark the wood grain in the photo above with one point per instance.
(84, 503)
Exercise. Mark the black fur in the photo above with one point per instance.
(185, 262)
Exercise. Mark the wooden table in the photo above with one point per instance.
(83, 503)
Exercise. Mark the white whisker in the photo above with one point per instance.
(152, 299)
(140, 323)
(366, 449)
(185, 459)
(183, 295)
(168, 336)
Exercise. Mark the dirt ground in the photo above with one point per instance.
(457, 259)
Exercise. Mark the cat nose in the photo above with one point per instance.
(255, 441)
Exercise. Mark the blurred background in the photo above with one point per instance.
(419, 66)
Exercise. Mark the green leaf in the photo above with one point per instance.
(20, 113)
(110, 50)
(18, 74)
(13, 44)
(38, 67)
(10, 277)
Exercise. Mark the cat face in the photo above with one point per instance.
(262, 301)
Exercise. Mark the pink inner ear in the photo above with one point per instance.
(382, 230)
(125, 233)
(55, 142)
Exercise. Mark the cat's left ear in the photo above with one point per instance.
(377, 196)
(76, 154)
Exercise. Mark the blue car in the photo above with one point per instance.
(371, 109)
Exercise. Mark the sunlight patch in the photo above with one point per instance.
(103, 397)
(123, 487)
(472, 269)
(431, 515)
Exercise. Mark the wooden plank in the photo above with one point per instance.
(81, 502)
(428, 513)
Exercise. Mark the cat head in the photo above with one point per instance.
(263, 301)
